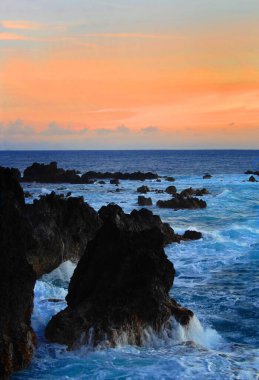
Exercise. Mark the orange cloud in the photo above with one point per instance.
(12, 24)
(13, 37)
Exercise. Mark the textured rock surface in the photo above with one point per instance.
(61, 229)
(143, 189)
(180, 202)
(120, 286)
(17, 279)
(194, 192)
(143, 201)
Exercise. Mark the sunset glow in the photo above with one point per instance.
(109, 75)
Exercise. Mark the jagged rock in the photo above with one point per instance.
(179, 202)
(170, 179)
(120, 286)
(137, 221)
(27, 194)
(68, 194)
(49, 173)
(61, 229)
(17, 279)
(142, 201)
(171, 190)
(143, 189)
(194, 192)
(252, 179)
(207, 176)
(191, 235)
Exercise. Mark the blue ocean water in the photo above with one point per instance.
(216, 277)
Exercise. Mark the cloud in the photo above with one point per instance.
(54, 129)
(150, 129)
(16, 128)
(133, 36)
(13, 37)
(19, 24)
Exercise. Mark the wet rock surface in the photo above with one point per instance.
(17, 279)
(120, 286)
(143, 201)
(180, 202)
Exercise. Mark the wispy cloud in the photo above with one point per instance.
(55, 129)
(18, 24)
(13, 37)
(133, 35)
(122, 129)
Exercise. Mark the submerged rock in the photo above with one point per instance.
(207, 176)
(120, 286)
(180, 202)
(170, 179)
(61, 228)
(142, 201)
(17, 279)
(191, 235)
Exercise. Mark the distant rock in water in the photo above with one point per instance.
(207, 176)
(170, 179)
(17, 279)
(252, 179)
(252, 172)
(191, 235)
(143, 189)
(120, 287)
(171, 190)
(61, 228)
(137, 176)
(179, 202)
(194, 192)
(49, 173)
(142, 201)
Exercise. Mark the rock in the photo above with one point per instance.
(143, 189)
(49, 173)
(69, 193)
(207, 176)
(252, 172)
(171, 190)
(101, 182)
(119, 288)
(137, 176)
(191, 235)
(252, 179)
(17, 280)
(158, 191)
(194, 192)
(137, 221)
(142, 201)
(61, 229)
(180, 202)
(158, 180)
(170, 179)
(114, 182)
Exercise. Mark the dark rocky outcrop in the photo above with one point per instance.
(137, 176)
(207, 176)
(190, 192)
(143, 189)
(49, 173)
(143, 201)
(120, 287)
(170, 179)
(252, 179)
(17, 279)
(137, 221)
(179, 202)
(61, 228)
(171, 190)
(252, 172)
(191, 235)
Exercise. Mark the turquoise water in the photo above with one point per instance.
(217, 278)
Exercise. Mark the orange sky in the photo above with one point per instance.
(195, 86)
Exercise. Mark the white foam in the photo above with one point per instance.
(63, 273)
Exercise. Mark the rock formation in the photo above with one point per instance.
(142, 201)
(179, 202)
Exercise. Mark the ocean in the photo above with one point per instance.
(216, 277)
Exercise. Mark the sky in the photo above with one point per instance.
(129, 74)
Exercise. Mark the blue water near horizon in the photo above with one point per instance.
(216, 277)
